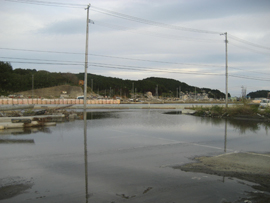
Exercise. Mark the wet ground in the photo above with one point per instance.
(128, 156)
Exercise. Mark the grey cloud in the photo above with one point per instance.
(196, 9)
(65, 27)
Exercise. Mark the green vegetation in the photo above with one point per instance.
(17, 80)
(239, 110)
(259, 94)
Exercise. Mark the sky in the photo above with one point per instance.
(136, 39)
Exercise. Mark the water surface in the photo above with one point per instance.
(126, 156)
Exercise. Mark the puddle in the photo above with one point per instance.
(173, 112)
(11, 187)
(101, 115)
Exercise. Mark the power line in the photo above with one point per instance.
(105, 65)
(115, 14)
(246, 48)
(149, 22)
(136, 68)
(250, 78)
(124, 58)
(250, 71)
(166, 36)
(67, 62)
(116, 57)
(248, 43)
(47, 3)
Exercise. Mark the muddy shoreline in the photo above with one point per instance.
(252, 167)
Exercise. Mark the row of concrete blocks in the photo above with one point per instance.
(11, 101)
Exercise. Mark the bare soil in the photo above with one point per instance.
(55, 92)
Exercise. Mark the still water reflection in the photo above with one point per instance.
(126, 155)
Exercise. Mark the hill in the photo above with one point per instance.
(259, 94)
(21, 80)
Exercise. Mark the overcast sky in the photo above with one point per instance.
(136, 39)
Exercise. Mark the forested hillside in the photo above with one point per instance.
(17, 80)
(259, 94)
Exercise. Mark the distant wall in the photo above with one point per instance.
(11, 101)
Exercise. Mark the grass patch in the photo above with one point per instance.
(243, 109)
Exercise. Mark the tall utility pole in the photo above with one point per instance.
(92, 85)
(32, 86)
(86, 58)
(84, 104)
(226, 74)
(133, 90)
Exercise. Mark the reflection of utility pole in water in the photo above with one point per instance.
(225, 137)
(85, 156)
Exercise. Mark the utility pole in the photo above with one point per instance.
(110, 92)
(32, 86)
(179, 92)
(84, 104)
(133, 90)
(226, 74)
(86, 58)
(92, 86)
(157, 91)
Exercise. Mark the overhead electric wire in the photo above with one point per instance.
(150, 33)
(250, 71)
(250, 78)
(130, 68)
(125, 58)
(127, 67)
(136, 19)
(116, 57)
(47, 3)
(246, 48)
(248, 43)
(149, 22)
(82, 63)
(116, 14)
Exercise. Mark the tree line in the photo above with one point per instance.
(17, 80)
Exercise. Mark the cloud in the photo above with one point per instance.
(48, 28)
(64, 27)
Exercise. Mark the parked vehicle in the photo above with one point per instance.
(80, 97)
(265, 103)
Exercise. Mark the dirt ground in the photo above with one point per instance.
(252, 167)
(55, 92)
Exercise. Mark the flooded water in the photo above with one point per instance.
(124, 156)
